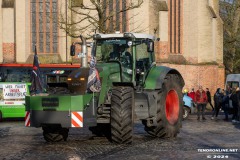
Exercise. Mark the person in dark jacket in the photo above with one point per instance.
(209, 98)
(225, 105)
(218, 98)
(201, 100)
(238, 113)
(235, 103)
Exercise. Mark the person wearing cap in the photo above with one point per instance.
(185, 91)
(201, 99)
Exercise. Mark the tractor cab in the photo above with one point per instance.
(132, 51)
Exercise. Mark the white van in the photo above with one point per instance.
(232, 81)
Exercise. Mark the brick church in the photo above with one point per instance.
(190, 32)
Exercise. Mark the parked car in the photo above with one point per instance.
(188, 107)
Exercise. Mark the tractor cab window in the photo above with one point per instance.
(144, 60)
(117, 51)
(114, 50)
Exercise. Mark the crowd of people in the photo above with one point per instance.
(227, 100)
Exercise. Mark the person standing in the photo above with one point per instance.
(185, 91)
(235, 103)
(225, 104)
(201, 99)
(209, 98)
(237, 120)
(192, 94)
(218, 99)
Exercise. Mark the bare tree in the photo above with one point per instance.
(104, 16)
(230, 13)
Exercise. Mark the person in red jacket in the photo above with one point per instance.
(192, 94)
(201, 99)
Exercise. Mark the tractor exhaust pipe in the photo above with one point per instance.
(84, 58)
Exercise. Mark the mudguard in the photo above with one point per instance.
(156, 77)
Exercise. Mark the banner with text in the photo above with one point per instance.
(14, 91)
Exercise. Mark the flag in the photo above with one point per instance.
(36, 79)
(94, 83)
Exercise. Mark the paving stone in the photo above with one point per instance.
(19, 142)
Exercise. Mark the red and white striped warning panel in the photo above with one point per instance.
(27, 119)
(77, 119)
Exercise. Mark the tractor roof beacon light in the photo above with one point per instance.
(128, 35)
(96, 36)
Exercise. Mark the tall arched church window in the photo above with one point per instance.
(44, 25)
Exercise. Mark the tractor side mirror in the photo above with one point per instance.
(150, 46)
(72, 50)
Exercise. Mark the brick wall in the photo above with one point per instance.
(209, 76)
(9, 52)
(161, 50)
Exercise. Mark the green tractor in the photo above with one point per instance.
(131, 88)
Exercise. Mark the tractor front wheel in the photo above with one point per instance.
(55, 133)
(121, 115)
(169, 109)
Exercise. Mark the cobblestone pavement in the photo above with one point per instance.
(197, 140)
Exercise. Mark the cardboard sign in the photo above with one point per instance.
(14, 91)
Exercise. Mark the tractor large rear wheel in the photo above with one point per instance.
(169, 109)
(121, 115)
(55, 133)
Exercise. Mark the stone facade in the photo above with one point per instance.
(190, 32)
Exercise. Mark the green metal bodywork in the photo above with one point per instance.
(157, 75)
(109, 72)
(58, 114)
(66, 102)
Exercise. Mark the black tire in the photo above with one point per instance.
(101, 130)
(96, 131)
(186, 112)
(55, 133)
(121, 115)
(169, 109)
(1, 117)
